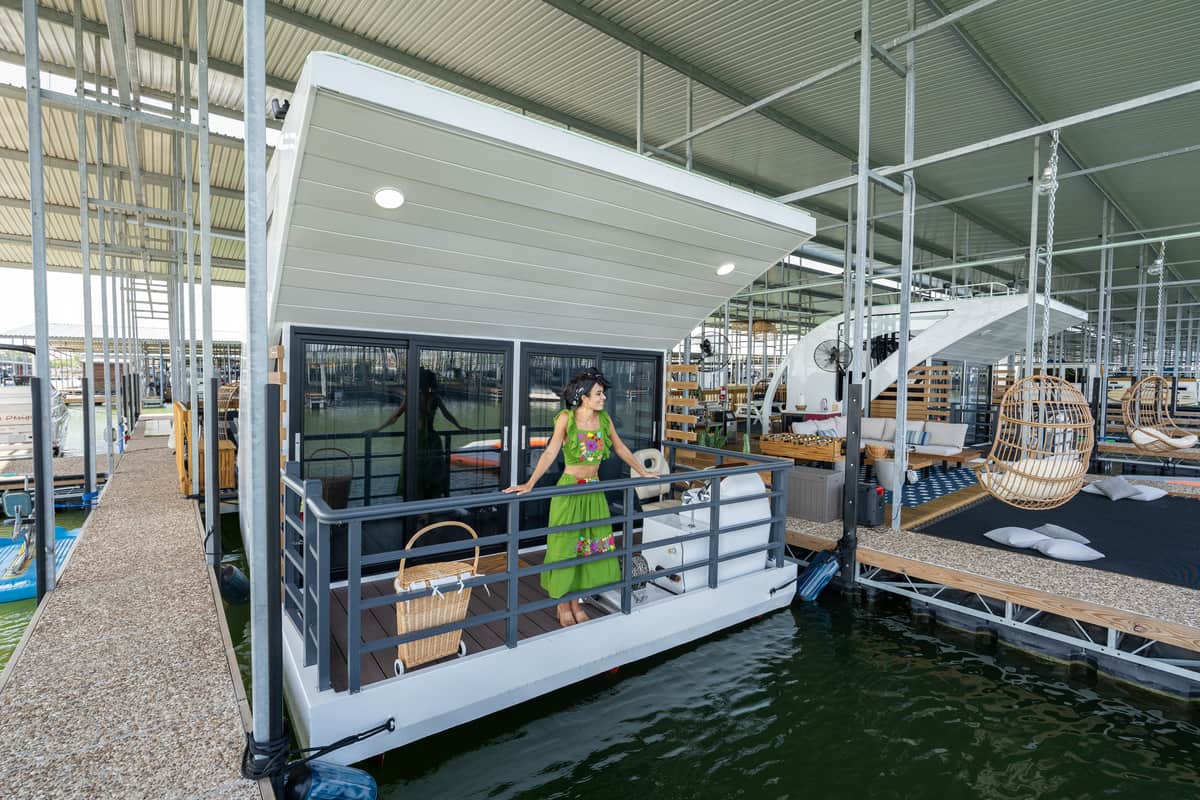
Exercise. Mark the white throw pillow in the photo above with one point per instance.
(803, 428)
(839, 425)
(889, 429)
(1059, 532)
(1116, 488)
(1016, 537)
(1090, 489)
(872, 428)
(1147, 493)
(1064, 550)
(946, 434)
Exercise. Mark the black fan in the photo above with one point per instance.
(832, 355)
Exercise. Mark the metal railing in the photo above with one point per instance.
(308, 524)
(371, 460)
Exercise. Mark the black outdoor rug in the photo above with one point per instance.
(1158, 540)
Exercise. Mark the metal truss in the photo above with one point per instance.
(1089, 637)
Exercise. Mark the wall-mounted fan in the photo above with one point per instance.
(832, 355)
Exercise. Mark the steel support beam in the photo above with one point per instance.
(42, 440)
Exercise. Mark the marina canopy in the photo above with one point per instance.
(510, 227)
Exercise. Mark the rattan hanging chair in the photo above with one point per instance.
(1146, 408)
(1044, 439)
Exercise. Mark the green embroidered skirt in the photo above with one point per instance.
(596, 538)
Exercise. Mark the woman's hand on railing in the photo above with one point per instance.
(645, 473)
(520, 488)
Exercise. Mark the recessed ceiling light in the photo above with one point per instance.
(725, 269)
(388, 197)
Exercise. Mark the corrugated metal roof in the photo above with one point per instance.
(1061, 60)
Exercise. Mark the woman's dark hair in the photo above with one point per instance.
(581, 385)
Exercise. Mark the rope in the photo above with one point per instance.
(1052, 168)
(271, 758)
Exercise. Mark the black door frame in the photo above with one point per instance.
(412, 343)
(597, 354)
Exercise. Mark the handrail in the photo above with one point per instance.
(308, 524)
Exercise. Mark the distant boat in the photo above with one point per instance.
(16, 421)
(485, 453)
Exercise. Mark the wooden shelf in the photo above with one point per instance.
(679, 436)
(684, 419)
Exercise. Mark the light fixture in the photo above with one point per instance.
(1156, 267)
(389, 198)
(725, 269)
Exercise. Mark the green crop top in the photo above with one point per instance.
(586, 447)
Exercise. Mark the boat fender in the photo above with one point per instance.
(817, 576)
(316, 780)
(235, 586)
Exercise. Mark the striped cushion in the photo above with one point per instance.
(830, 432)
(915, 437)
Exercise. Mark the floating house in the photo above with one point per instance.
(439, 268)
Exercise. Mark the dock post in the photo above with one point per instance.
(212, 470)
(40, 384)
(43, 492)
(85, 260)
(264, 453)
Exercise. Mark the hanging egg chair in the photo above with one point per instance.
(1044, 439)
(1146, 408)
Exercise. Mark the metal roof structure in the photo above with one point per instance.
(1002, 68)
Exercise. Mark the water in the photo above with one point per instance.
(15, 616)
(834, 699)
(829, 700)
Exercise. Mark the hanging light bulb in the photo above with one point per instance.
(1048, 182)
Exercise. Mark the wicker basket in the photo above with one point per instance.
(877, 451)
(335, 489)
(450, 605)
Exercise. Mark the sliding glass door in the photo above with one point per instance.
(634, 401)
(386, 419)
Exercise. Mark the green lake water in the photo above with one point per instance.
(841, 698)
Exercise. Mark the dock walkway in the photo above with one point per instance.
(122, 687)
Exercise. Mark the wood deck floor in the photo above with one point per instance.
(380, 623)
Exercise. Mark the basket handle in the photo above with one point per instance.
(443, 524)
(332, 450)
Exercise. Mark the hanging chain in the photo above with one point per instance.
(1052, 171)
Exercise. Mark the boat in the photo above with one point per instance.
(18, 581)
(16, 421)
(485, 453)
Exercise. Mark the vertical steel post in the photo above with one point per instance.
(43, 494)
(1032, 276)
(749, 368)
(848, 546)
(261, 452)
(1101, 367)
(85, 253)
(194, 377)
(101, 225)
(1176, 361)
(212, 491)
(42, 439)
(900, 445)
(1140, 326)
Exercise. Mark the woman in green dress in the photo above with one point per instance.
(585, 434)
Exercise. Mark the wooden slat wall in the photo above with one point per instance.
(929, 388)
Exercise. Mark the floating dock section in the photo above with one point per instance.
(122, 686)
